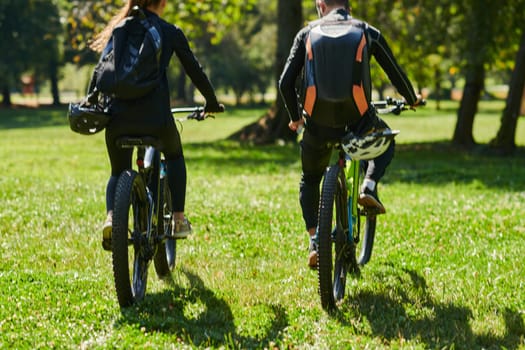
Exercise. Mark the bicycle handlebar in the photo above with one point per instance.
(196, 113)
(391, 105)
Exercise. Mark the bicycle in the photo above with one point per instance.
(339, 233)
(142, 217)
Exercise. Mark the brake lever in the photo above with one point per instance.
(204, 116)
(200, 116)
(397, 110)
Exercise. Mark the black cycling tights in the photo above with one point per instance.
(176, 181)
(121, 159)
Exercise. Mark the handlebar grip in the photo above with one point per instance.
(199, 109)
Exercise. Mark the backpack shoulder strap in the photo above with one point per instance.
(153, 33)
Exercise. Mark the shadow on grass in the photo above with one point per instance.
(194, 315)
(20, 117)
(433, 163)
(438, 325)
(439, 163)
(231, 156)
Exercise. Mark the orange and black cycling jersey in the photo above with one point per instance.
(376, 46)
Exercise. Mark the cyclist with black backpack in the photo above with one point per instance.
(333, 53)
(148, 113)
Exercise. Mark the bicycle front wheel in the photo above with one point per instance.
(130, 224)
(166, 249)
(334, 246)
(368, 239)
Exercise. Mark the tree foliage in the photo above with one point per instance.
(202, 21)
(30, 29)
(243, 61)
(243, 44)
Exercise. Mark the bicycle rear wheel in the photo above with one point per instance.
(335, 251)
(130, 224)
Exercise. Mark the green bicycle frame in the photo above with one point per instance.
(353, 168)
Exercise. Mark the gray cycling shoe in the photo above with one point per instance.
(181, 228)
(107, 230)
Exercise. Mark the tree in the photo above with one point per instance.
(274, 124)
(484, 26)
(83, 20)
(477, 33)
(505, 139)
(46, 44)
(204, 22)
(243, 60)
(29, 43)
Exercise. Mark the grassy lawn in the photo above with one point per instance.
(447, 269)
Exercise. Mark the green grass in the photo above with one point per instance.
(447, 269)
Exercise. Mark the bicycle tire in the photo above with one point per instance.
(130, 222)
(368, 239)
(332, 260)
(166, 249)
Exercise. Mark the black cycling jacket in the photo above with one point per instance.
(376, 46)
(156, 106)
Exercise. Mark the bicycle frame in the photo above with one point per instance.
(352, 172)
(152, 169)
(151, 172)
(149, 163)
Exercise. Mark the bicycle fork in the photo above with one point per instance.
(352, 174)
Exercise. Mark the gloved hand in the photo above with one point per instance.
(419, 102)
(368, 123)
(213, 107)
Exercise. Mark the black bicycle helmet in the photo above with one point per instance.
(369, 146)
(87, 120)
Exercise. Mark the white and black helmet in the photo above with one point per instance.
(369, 146)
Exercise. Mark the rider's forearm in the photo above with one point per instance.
(291, 72)
(384, 56)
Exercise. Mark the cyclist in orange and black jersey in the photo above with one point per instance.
(327, 121)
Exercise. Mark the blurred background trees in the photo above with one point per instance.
(30, 46)
(449, 48)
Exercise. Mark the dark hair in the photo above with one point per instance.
(102, 38)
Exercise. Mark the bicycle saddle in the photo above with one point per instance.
(137, 141)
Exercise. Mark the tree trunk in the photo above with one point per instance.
(463, 135)
(190, 97)
(53, 75)
(273, 125)
(437, 87)
(505, 139)
(6, 97)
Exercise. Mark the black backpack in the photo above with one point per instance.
(129, 67)
(336, 66)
